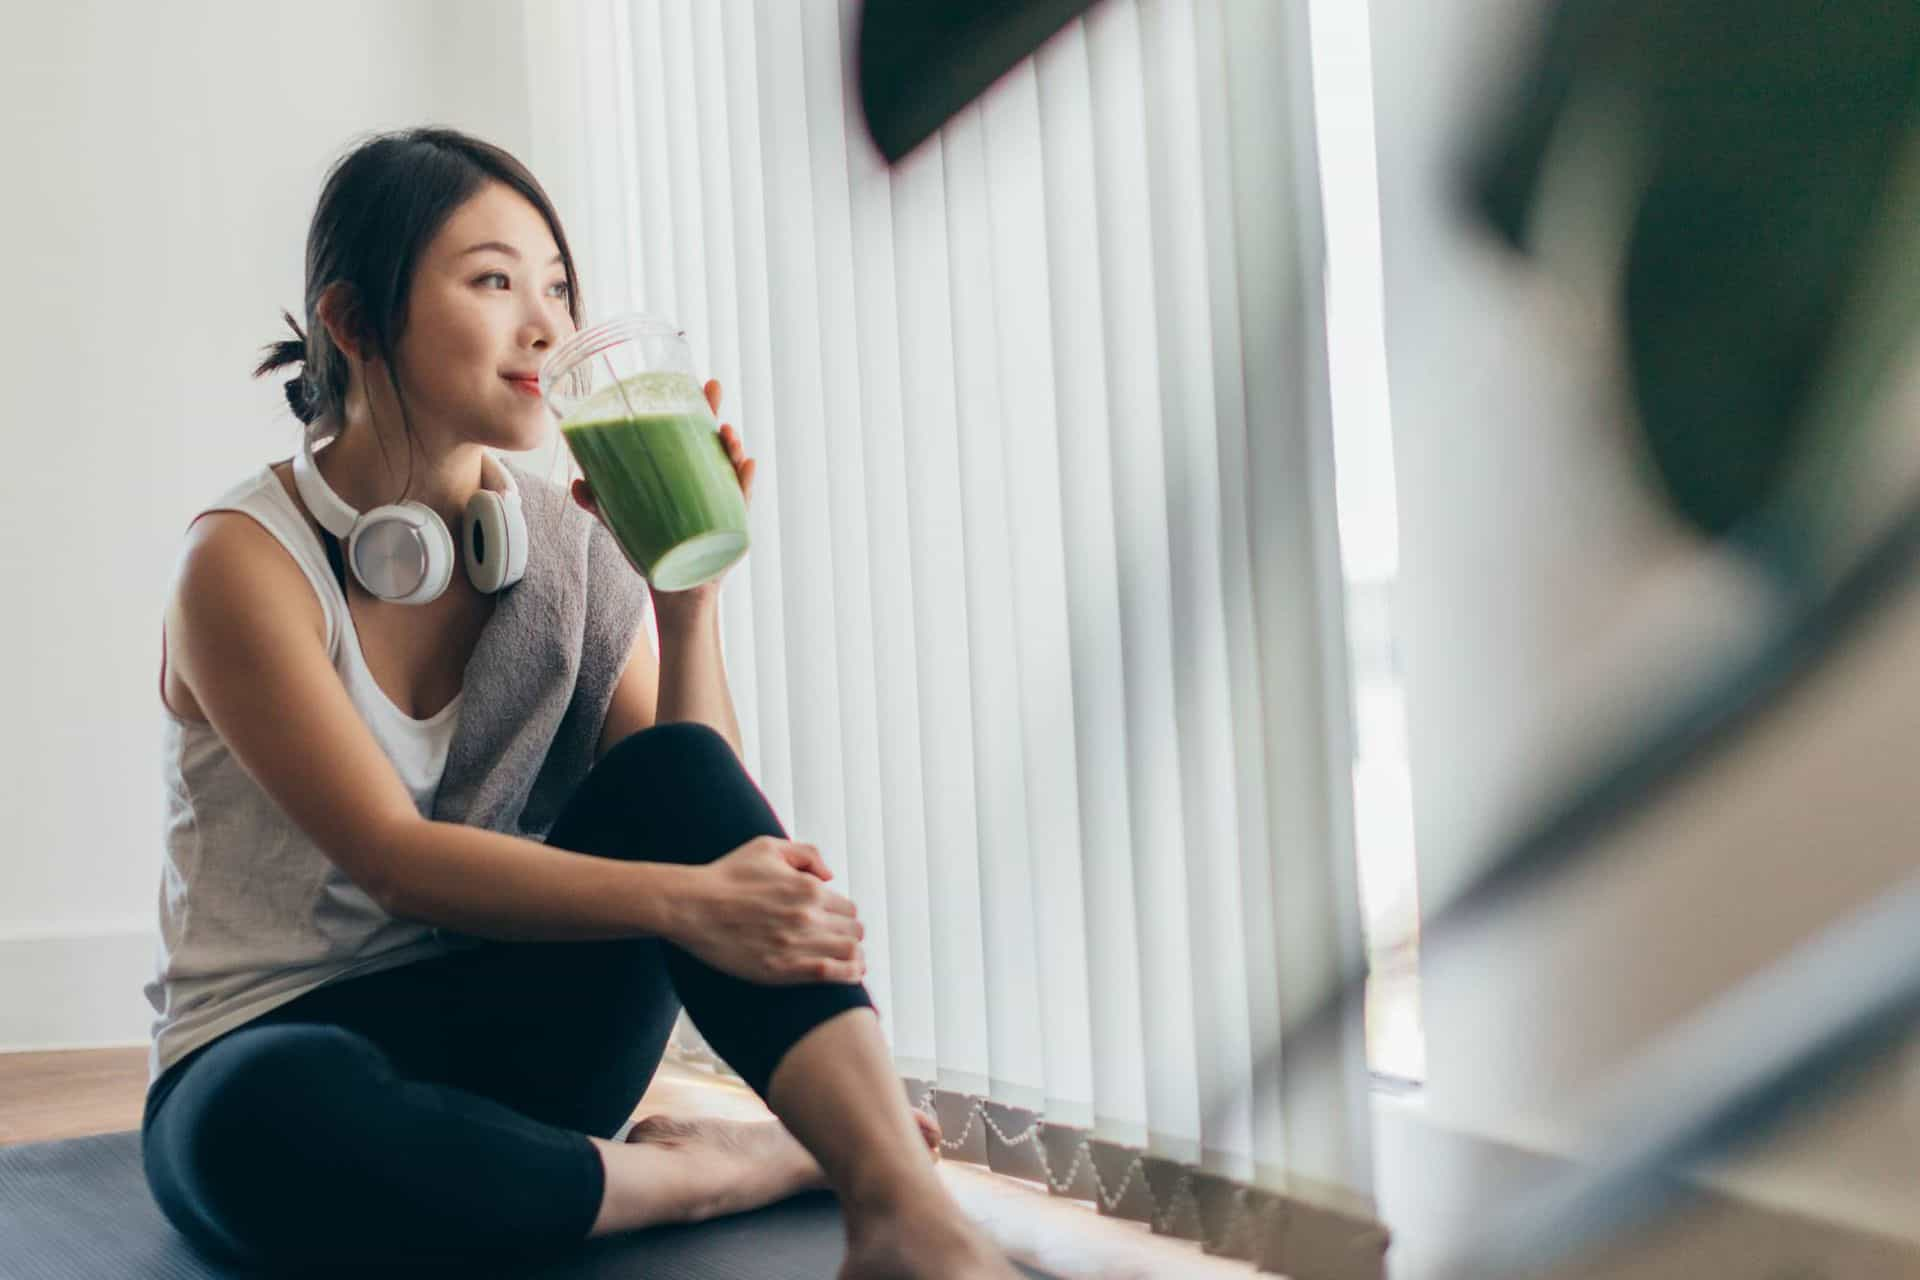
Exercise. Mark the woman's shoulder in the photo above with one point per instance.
(239, 537)
(227, 557)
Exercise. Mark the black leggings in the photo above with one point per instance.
(438, 1111)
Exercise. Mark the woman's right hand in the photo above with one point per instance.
(763, 914)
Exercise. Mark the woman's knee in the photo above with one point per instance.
(268, 1087)
(233, 1130)
(670, 747)
(260, 1068)
(673, 792)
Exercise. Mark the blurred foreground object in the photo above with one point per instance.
(1751, 145)
(923, 60)
(1746, 178)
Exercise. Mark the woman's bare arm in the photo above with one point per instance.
(692, 676)
(492, 885)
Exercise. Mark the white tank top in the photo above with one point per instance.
(252, 912)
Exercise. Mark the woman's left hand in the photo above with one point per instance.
(743, 467)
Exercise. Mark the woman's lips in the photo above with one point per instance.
(529, 385)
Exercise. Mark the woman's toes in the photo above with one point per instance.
(929, 1131)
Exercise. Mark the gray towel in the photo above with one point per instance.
(544, 669)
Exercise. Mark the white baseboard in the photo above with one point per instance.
(75, 990)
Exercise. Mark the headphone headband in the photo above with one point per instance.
(338, 518)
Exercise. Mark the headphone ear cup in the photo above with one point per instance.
(494, 538)
(389, 545)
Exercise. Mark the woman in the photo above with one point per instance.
(387, 1040)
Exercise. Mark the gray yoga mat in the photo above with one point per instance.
(80, 1209)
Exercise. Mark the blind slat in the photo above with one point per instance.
(630, 235)
(652, 155)
(807, 596)
(1203, 696)
(1018, 1071)
(604, 248)
(939, 572)
(1139, 485)
(1087, 518)
(892, 589)
(865, 854)
(1259, 1101)
(1300, 664)
(756, 401)
(708, 56)
(1037, 585)
(679, 180)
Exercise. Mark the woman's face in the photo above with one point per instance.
(487, 306)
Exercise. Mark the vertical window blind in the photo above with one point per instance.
(1039, 639)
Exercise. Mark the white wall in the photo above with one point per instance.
(162, 162)
(1547, 603)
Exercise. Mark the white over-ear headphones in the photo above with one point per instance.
(402, 552)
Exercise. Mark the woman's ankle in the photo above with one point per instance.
(909, 1190)
(643, 1188)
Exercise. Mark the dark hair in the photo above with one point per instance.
(381, 204)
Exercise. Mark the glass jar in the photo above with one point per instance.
(636, 418)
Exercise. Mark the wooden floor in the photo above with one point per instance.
(44, 1096)
(71, 1094)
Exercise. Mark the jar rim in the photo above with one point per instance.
(594, 339)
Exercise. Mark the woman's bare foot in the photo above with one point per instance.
(731, 1166)
(921, 1237)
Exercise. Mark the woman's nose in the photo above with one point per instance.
(539, 331)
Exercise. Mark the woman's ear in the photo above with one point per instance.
(340, 313)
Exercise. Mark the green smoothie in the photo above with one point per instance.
(662, 479)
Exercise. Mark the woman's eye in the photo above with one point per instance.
(560, 288)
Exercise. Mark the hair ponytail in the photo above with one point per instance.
(285, 352)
